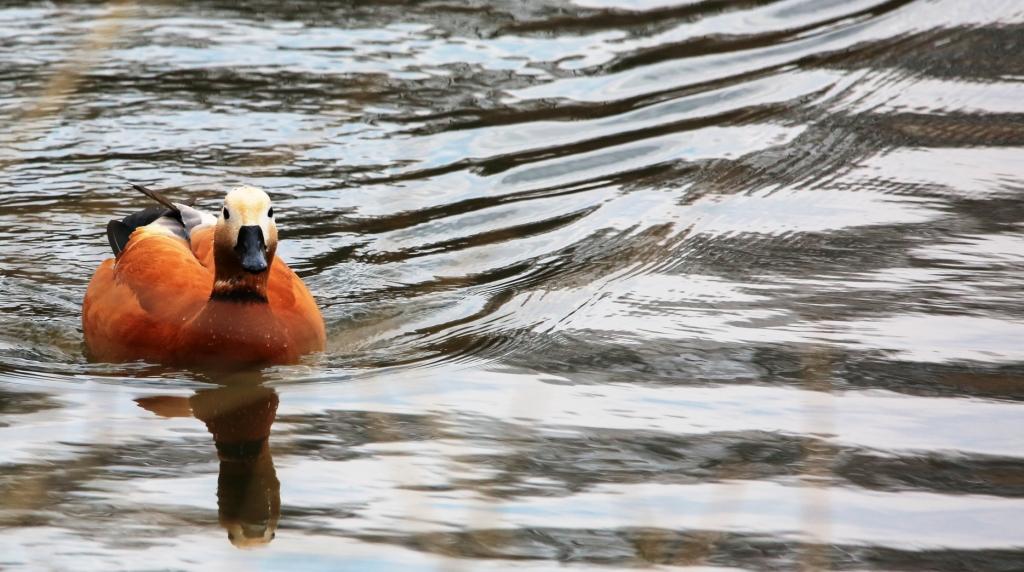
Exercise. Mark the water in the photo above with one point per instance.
(608, 284)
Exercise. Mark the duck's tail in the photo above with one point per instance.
(158, 197)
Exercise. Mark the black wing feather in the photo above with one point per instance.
(117, 234)
(119, 231)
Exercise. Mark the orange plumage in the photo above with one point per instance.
(187, 300)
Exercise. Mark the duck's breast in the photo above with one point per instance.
(281, 330)
(295, 309)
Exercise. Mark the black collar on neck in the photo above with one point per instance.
(240, 296)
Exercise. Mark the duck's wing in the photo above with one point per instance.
(135, 305)
(158, 259)
(119, 231)
(173, 218)
(194, 219)
(159, 266)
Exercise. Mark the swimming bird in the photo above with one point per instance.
(189, 288)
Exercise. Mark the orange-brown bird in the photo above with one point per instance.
(190, 289)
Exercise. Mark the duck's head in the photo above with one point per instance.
(245, 241)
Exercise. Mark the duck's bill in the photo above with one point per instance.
(252, 249)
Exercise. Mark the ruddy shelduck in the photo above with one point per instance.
(190, 289)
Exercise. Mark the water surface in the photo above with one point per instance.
(608, 284)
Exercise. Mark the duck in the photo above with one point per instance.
(186, 287)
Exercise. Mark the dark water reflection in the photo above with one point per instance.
(608, 284)
(238, 416)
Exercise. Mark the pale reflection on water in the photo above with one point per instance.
(608, 285)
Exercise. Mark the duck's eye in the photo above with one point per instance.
(227, 215)
(270, 213)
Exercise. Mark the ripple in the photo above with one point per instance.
(607, 284)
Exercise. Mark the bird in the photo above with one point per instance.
(188, 288)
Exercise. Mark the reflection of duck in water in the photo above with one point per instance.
(239, 418)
